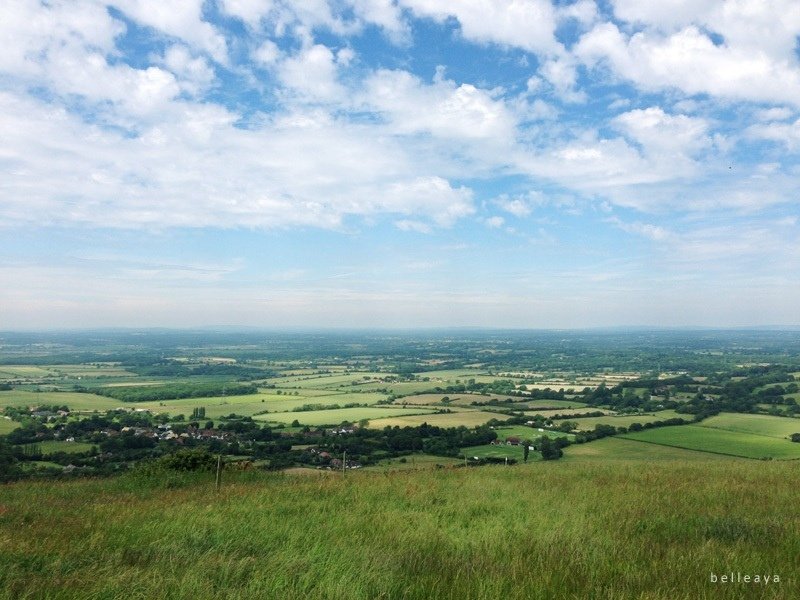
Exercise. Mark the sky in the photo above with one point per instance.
(399, 163)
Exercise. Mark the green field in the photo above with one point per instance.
(553, 412)
(7, 425)
(549, 530)
(780, 427)
(25, 372)
(616, 449)
(454, 399)
(74, 400)
(252, 404)
(336, 416)
(708, 439)
(499, 451)
(467, 418)
(414, 462)
(544, 404)
(530, 433)
(53, 446)
(589, 423)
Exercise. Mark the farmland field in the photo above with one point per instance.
(250, 404)
(74, 400)
(500, 451)
(545, 404)
(413, 462)
(619, 449)
(336, 416)
(550, 413)
(708, 439)
(52, 446)
(455, 399)
(779, 427)
(24, 371)
(7, 425)
(589, 423)
(467, 418)
(531, 433)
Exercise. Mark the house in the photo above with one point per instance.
(512, 440)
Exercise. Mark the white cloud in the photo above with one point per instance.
(195, 168)
(249, 11)
(688, 60)
(662, 134)
(655, 233)
(787, 134)
(194, 73)
(267, 53)
(778, 113)
(312, 73)
(409, 225)
(519, 206)
(385, 14)
(30, 31)
(561, 73)
(441, 108)
(494, 222)
(527, 24)
(182, 19)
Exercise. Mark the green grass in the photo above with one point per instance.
(414, 462)
(619, 449)
(25, 371)
(531, 433)
(564, 529)
(336, 416)
(708, 439)
(780, 427)
(53, 446)
(467, 418)
(589, 423)
(255, 403)
(500, 451)
(534, 404)
(74, 400)
(7, 425)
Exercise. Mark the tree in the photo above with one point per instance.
(795, 437)
(549, 450)
(526, 449)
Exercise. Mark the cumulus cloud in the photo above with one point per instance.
(691, 62)
(441, 108)
(526, 24)
(182, 19)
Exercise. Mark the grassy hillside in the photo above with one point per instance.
(582, 529)
(710, 439)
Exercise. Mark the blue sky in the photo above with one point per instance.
(399, 163)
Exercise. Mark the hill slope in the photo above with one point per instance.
(558, 530)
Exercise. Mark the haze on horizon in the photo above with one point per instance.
(399, 163)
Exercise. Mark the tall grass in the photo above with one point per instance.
(559, 530)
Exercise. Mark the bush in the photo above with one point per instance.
(187, 460)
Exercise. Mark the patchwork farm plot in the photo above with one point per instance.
(337, 416)
(720, 441)
(778, 427)
(589, 423)
(466, 418)
(615, 449)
